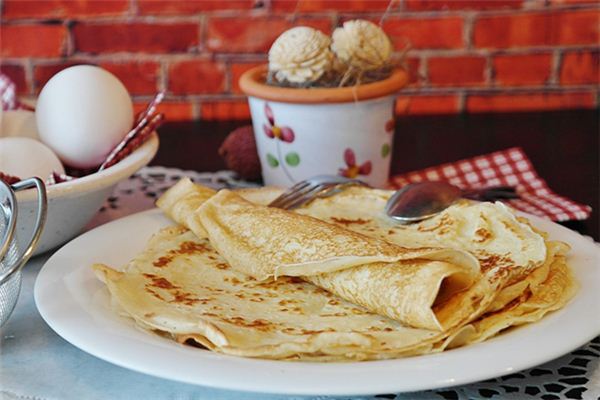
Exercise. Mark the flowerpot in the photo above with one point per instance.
(306, 132)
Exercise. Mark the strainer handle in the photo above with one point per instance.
(40, 220)
(9, 208)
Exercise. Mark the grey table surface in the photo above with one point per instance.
(36, 363)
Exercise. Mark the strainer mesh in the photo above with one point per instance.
(9, 290)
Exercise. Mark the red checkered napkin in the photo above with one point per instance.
(507, 167)
(8, 98)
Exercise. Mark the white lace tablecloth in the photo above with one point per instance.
(35, 363)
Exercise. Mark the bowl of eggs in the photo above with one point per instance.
(83, 115)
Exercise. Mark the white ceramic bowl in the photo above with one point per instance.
(71, 205)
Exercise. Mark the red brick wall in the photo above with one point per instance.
(466, 55)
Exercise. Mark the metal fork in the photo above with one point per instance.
(307, 190)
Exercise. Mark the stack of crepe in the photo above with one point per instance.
(336, 279)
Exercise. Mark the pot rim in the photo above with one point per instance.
(252, 84)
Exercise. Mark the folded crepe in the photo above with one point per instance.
(490, 231)
(508, 248)
(529, 271)
(429, 288)
(181, 287)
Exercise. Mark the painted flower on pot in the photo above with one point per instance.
(352, 169)
(281, 134)
(390, 125)
(389, 129)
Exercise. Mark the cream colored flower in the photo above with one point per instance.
(300, 55)
(362, 44)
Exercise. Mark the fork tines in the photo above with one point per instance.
(307, 190)
(297, 195)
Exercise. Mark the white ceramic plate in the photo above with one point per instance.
(77, 306)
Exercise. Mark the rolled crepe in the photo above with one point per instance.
(429, 288)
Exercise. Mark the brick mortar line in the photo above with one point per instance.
(499, 52)
(293, 17)
(207, 55)
(489, 73)
(460, 13)
(202, 34)
(197, 97)
(534, 3)
(196, 111)
(335, 21)
(127, 16)
(162, 81)
(462, 102)
(413, 52)
(152, 19)
(501, 90)
(117, 58)
(70, 44)
(248, 58)
(246, 12)
(183, 99)
(29, 76)
(552, 85)
(124, 57)
(203, 39)
(460, 93)
(402, 5)
(424, 91)
(490, 12)
(102, 20)
(468, 30)
(432, 92)
(228, 77)
(555, 66)
(163, 76)
(441, 13)
(133, 7)
(423, 71)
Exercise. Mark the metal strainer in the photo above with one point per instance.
(11, 261)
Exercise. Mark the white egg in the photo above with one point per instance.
(26, 157)
(82, 113)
